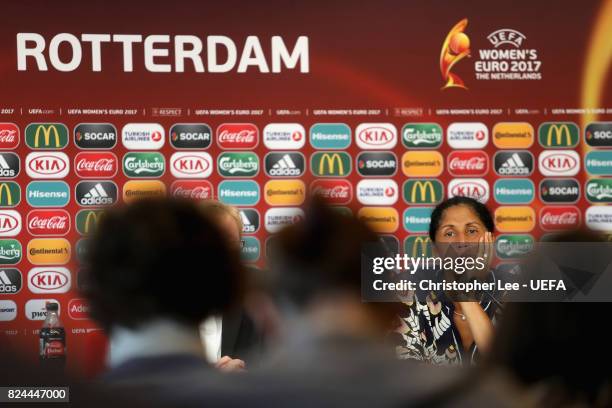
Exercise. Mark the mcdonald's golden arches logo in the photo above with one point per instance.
(330, 164)
(417, 245)
(46, 135)
(10, 194)
(423, 191)
(87, 221)
(558, 134)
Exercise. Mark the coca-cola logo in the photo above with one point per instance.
(195, 190)
(237, 136)
(333, 191)
(9, 136)
(559, 218)
(96, 164)
(48, 222)
(468, 163)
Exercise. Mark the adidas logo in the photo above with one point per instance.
(285, 166)
(8, 285)
(96, 196)
(247, 225)
(6, 170)
(514, 166)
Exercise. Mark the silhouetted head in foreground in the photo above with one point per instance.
(159, 258)
(318, 261)
(560, 345)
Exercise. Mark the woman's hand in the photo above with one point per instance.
(479, 324)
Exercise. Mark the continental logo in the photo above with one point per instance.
(422, 164)
(417, 246)
(423, 191)
(46, 135)
(10, 194)
(285, 192)
(513, 135)
(515, 219)
(330, 164)
(87, 221)
(48, 251)
(558, 134)
(135, 189)
(384, 220)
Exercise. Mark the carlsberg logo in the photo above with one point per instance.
(599, 190)
(238, 164)
(144, 164)
(10, 251)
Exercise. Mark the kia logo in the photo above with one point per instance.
(48, 280)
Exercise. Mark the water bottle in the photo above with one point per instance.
(53, 338)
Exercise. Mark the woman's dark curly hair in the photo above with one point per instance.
(479, 208)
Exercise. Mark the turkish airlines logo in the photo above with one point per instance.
(191, 165)
(96, 164)
(47, 165)
(10, 223)
(49, 280)
(284, 136)
(334, 192)
(196, 190)
(376, 136)
(559, 218)
(9, 136)
(237, 136)
(78, 309)
(467, 135)
(476, 188)
(48, 222)
(278, 218)
(377, 192)
(143, 136)
(559, 163)
(470, 163)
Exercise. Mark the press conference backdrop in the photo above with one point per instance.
(385, 109)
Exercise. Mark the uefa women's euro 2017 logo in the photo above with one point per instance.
(505, 58)
(456, 47)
